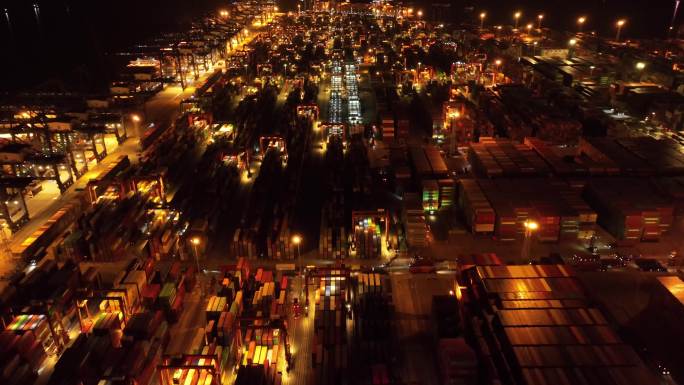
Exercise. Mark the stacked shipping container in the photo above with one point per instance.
(413, 218)
(631, 210)
(501, 157)
(479, 214)
(330, 351)
(539, 329)
(554, 204)
(332, 241)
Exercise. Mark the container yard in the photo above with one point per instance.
(329, 194)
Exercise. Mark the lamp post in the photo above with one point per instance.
(620, 23)
(571, 47)
(580, 23)
(297, 240)
(195, 241)
(530, 228)
(483, 15)
(516, 16)
(540, 17)
(497, 63)
(135, 118)
(640, 68)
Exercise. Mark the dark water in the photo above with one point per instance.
(71, 39)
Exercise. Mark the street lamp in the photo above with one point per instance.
(516, 16)
(534, 48)
(195, 241)
(482, 17)
(620, 23)
(530, 227)
(571, 46)
(136, 124)
(580, 23)
(297, 240)
(497, 63)
(420, 13)
(640, 68)
(540, 17)
(529, 28)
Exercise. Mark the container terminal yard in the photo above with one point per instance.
(351, 193)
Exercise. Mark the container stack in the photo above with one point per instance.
(111, 325)
(579, 222)
(631, 210)
(413, 217)
(372, 333)
(673, 189)
(22, 353)
(150, 327)
(446, 192)
(538, 324)
(205, 366)
(263, 355)
(94, 359)
(171, 300)
(259, 338)
(280, 246)
(554, 204)
(430, 195)
(559, 166)
(112, 227)
(216, 306)
(436, 161)
(387, 128)
(501, 157)
(663, 155)
(332, 241)
(243, 244)
(505, 227)
(613, 159)
(330, 351)
(479, 214)
(427, 163)
(421, 166)
(367, 239)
